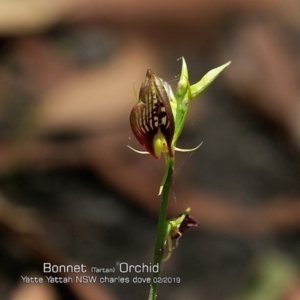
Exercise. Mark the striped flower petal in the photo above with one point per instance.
(151, 119)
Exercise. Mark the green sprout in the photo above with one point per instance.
(157, 120)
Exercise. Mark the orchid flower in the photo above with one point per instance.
(157, 119)
(151, 119)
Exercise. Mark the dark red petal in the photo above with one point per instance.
(152, 114)
(140, 129)
(187, 223)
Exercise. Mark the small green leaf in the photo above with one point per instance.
(198, 88)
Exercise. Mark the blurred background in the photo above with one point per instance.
(72, 192)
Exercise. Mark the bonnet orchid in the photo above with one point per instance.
(157, 119)
(151, 119)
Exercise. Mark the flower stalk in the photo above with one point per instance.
(162, 226)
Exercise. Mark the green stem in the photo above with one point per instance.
(161, 227)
